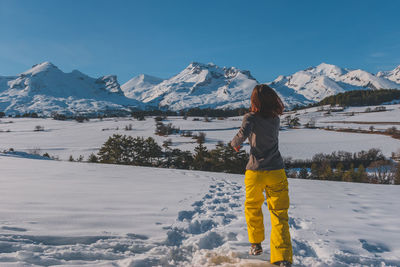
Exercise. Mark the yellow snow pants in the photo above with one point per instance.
(275, 185)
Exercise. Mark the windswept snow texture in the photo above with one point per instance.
(316, 83)
(45, 89)
(81, 214)
(202, 85)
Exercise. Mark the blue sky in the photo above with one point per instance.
(161, 38)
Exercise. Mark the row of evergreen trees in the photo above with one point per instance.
(337, 166)
(122, 149)
(339, 158)
(362, 97)
(379, 172)
(192, 112)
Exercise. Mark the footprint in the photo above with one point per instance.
(374, 247)
(185, 214)
(211, 240)
(174, 237)
(293, 224)
(301, 248)
(197, 203)
(199, 227)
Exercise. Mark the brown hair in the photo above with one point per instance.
(266, 102)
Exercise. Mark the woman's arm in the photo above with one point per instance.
(244, 131)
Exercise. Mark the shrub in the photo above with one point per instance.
(128, 127)
(38, 128)
(165, 129)
(93, 158)
(201, 138)
(60, 117)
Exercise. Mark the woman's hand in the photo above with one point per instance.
(237, 148)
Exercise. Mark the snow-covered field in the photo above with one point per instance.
(77, 214)
(64, 138)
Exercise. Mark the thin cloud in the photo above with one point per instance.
(378, 54)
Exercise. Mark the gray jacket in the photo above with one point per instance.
(263, 138)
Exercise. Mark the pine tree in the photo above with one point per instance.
(326, 171)
(200, 158)
(218, 161)
(338, 173)
(361, 175)
(112, 150)
(93, 158)
(348, 175)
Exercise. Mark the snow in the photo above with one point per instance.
(137, 86)
(202, 85)
(305, 143)
(81, 214)
(86, 214)
(64, 138)
(45, 89)
(316, 83)
(393, 75)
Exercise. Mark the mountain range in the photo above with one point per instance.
(46, 89)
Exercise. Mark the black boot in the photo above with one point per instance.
(255, 249)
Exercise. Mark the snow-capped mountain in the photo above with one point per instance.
(45, 89)
(316, 83)
(393, 75)
(137, 86)
(201, 85)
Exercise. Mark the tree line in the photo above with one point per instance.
(140, 151)
(362, 97)
(365, 166)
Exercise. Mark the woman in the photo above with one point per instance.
(265, 173)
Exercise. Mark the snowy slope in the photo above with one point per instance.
(80, 214)
(393, 75)
(316, 83)
(45, 89)
(137, 86)
(202, 85)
